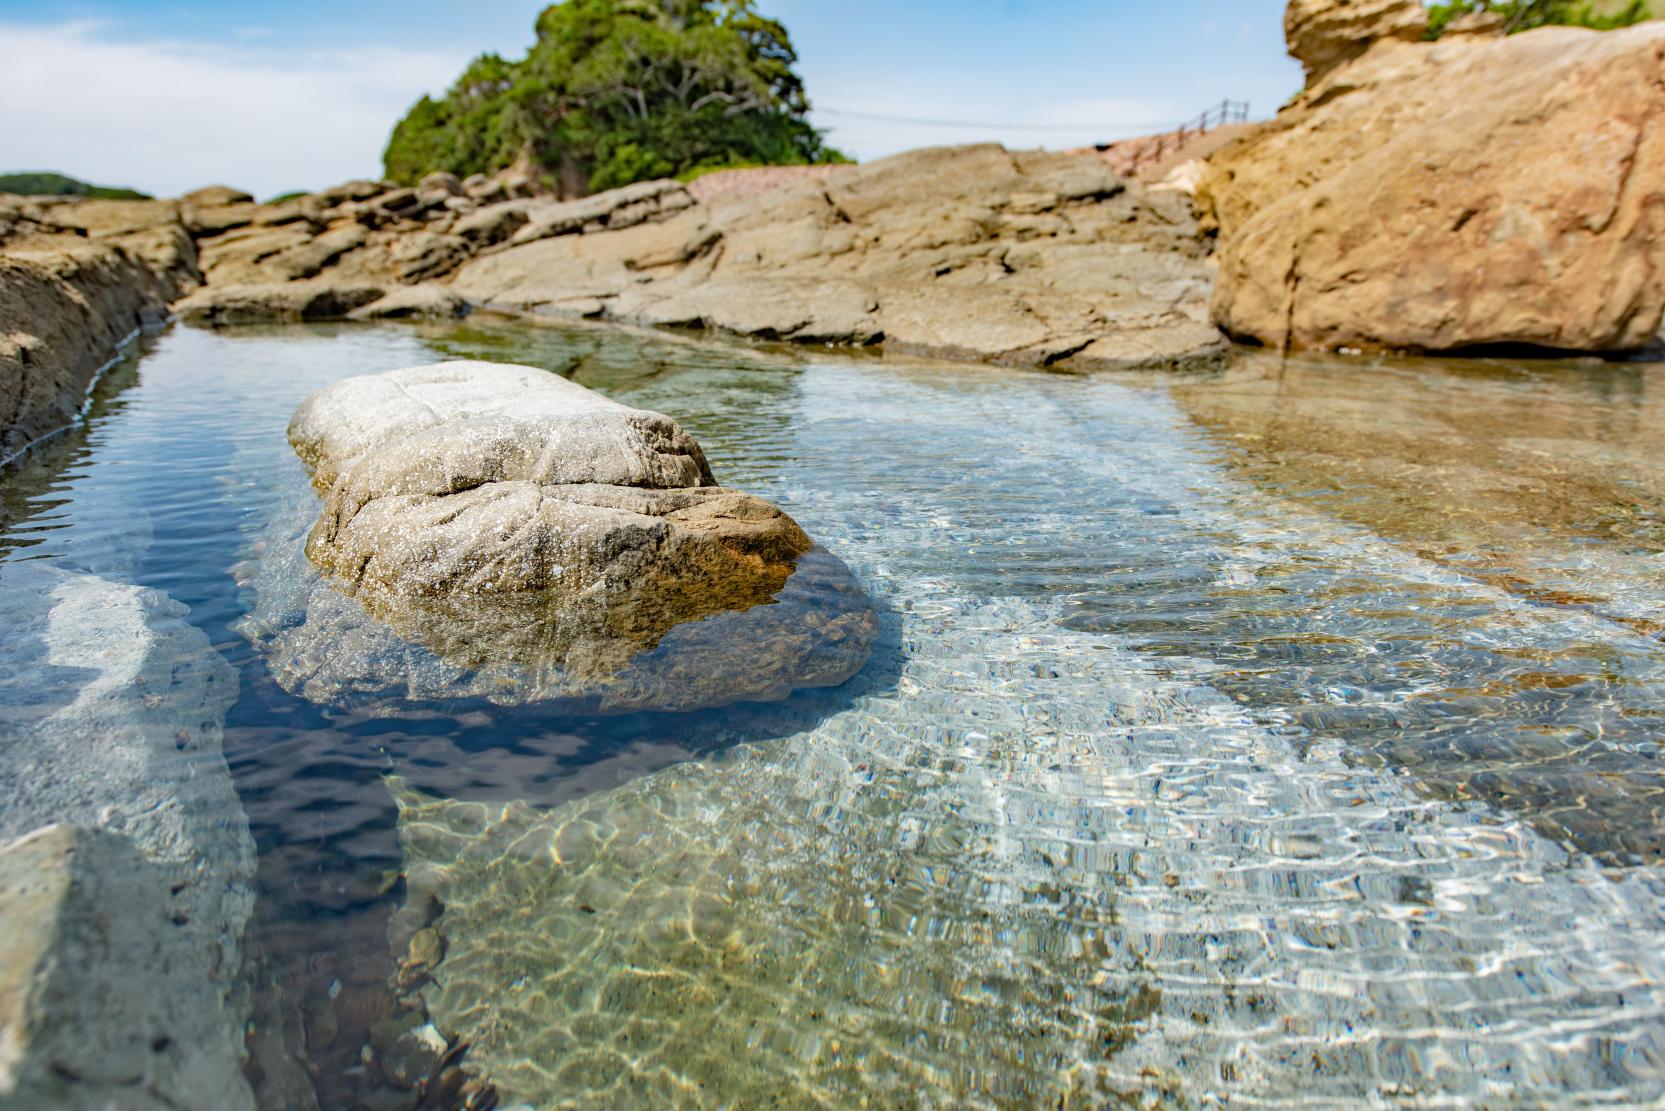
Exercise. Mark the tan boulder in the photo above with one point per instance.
(1326, 34)
(426, 301)
(1371, 213)
(103, 219)
(215, 196)
(1478, 22)
(264, 302)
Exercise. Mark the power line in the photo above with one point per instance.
(920, 121)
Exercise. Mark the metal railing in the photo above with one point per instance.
(1145, 151)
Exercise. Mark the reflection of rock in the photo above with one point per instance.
(125, 923)
(545, 543)
(1369, 213)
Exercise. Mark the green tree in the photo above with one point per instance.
(1523, 15)
(46, 183)
(615, 91)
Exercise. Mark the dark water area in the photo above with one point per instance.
(1290, 733)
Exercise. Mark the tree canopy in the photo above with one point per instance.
(615, 91)
(42, 183)
(1523, 15)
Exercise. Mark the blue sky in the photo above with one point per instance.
(167, 96)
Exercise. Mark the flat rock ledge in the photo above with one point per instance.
(126, 863)
(493, 531)
(1020, 258)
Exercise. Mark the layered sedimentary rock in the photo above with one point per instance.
(1326, 34)
(64, 312)
(526, 539)
(328, 254)
(1374, 213)
(121, 925)
(77, 277)
(1030, 259)
(1025, 258)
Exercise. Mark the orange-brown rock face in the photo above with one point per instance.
(1444, 195)
(1325, 34)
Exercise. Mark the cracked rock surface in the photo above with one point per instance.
(980, 253)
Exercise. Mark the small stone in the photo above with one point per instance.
(419, 910)
(425, 948)
(413, 1057)
(386, 1033)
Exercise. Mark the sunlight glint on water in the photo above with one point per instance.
(1158, 785)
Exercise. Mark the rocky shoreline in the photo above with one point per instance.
(1351, 220)
(1366, 215)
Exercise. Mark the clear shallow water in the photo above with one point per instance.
(1171, 778)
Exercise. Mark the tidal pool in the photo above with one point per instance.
(1284, 735)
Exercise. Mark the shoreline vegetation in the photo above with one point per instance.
(47, 183)
(614, 93)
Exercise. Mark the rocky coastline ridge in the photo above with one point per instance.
(1355, 218)
(1368, 214)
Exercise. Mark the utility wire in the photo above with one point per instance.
(919, 121)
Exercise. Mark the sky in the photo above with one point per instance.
(169, 95)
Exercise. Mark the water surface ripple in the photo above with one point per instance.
(1169, 782)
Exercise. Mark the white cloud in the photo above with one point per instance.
(167, 117)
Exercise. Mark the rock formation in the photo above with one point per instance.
(121, 925)
(77, 278)
(1326, 34)
(545, 543)
(1434, 196)
(1028, 259)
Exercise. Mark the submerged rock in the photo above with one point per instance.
(122, 925)
(497, 531)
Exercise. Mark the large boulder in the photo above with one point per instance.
(540, 542)
(1371, 213)
(1326, 34)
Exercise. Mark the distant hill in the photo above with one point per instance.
(61, 185)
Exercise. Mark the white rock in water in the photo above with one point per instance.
(122, 927)
(543, 542)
